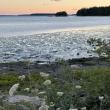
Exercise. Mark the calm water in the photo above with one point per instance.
(48, 38)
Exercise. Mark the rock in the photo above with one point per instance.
(19, 98)
(75, 66)
(78, 53)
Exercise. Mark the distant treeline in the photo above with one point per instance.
(94, 11)
(42, 14)
(61, 13)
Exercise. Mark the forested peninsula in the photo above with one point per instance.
(94, 11)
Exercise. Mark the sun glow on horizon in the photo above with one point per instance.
(47, 6)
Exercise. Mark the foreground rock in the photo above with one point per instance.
(22, 98)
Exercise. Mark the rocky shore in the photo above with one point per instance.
(52, 67)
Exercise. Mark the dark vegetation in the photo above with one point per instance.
(62, 13)
(94, 83)
(94, 11)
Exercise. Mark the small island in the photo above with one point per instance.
(94, 11)
(62, 13)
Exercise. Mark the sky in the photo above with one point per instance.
(47, 6)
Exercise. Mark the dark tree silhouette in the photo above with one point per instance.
(94, 11)
(62, 13)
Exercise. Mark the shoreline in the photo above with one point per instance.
(23, 67)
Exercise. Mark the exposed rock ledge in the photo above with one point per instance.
(19, 98)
